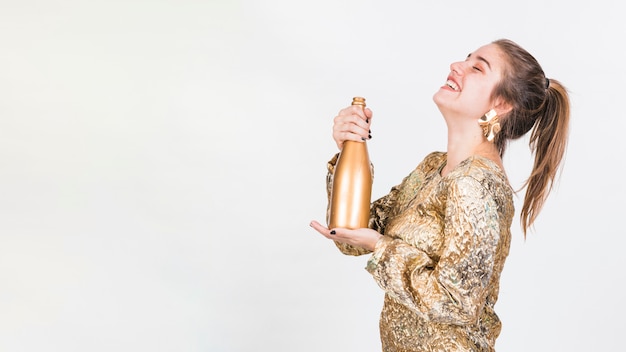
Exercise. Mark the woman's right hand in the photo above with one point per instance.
(352, 124)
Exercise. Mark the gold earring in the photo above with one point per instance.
(490, 124)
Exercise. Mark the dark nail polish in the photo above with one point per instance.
(363, 138)
(370, 131)
(367, 120)
(332, 232)
(370, 136)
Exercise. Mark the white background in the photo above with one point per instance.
(160, 162)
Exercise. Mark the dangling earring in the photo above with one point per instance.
(490, 124)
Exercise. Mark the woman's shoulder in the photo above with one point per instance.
(433, 161)
(482, 176)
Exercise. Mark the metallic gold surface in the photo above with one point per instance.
(358, 101)
(351, 185)
(490, 124)
(440, 259)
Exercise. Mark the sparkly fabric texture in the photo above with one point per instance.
(444, 244)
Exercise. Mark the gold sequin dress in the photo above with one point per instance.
(444, 244)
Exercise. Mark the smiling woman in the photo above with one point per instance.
(440, 238)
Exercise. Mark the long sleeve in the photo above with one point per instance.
(452, 288)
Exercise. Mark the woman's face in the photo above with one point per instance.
(468, 88)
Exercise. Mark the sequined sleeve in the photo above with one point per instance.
(450, 289)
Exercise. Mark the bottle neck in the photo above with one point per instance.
(352, 145)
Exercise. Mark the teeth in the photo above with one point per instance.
(452, 85)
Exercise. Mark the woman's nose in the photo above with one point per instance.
(457, 68)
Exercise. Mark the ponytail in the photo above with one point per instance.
(538, 104)
(548, 142)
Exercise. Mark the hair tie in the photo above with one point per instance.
(547, 82)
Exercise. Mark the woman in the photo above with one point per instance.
(440, 238)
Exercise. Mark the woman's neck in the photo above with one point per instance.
(461, 147)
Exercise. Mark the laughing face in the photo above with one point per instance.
(468, 87)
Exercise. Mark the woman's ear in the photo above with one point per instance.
(502, 107)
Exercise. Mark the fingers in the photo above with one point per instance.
(368, 114)
(334, 234)
(352, 124)
(364, 238)
(321, 229)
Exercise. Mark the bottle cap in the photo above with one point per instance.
(358, 101)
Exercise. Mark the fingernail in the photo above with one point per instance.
(363, 138)
(370, 131)
(367, 120)
(369, 136)
(332, 232)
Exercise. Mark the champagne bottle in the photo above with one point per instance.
(351, 189)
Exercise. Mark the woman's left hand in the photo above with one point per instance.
(364, 237)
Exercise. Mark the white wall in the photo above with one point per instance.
(160, 162)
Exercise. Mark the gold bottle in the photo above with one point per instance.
(351, 189)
